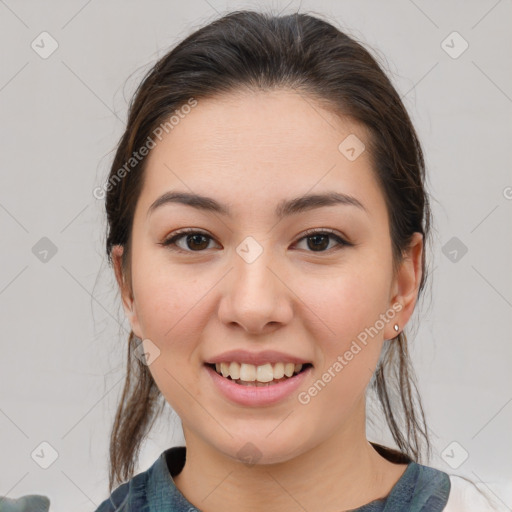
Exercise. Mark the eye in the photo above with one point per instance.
(319, 239)
(195, 239)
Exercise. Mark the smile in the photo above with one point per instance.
(262, 375)
(253, 392)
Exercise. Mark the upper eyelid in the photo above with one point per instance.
(309, 232)
(187, 231)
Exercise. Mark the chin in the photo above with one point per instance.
(261, 451)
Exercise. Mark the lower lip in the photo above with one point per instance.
(257, 395)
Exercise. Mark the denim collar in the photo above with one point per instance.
(420, 488)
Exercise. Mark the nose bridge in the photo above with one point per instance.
(252, 277)
(254, 295)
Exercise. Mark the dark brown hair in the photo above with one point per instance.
(258, 51)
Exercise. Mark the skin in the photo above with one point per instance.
(250, 151)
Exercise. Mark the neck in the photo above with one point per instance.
(342, 472)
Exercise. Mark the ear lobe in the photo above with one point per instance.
(407, 282)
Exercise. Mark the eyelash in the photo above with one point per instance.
(170, 242)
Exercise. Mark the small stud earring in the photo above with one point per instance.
(396, 327)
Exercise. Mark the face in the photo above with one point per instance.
(255, 279)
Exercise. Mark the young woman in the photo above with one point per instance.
(268, 225)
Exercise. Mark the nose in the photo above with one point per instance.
(255, 296)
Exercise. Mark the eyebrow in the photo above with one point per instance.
(285, 208)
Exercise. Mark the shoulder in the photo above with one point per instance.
(421, 488)
(466, 497)
(128, 497)
(152, 489)
(430, 488)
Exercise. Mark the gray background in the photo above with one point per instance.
(63, 329)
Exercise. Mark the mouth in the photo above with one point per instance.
(262, 376)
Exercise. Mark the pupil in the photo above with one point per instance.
(195, 238)
(319, 241)
(320, 245)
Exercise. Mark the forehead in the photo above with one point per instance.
(258, 148)
(241, 124)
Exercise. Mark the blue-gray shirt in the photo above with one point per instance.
(419, 489)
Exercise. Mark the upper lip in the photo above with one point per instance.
(256, 358)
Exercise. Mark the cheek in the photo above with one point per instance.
(348, 354)
(350, 335)
(166, 299)
(170, 309)
(346, 303)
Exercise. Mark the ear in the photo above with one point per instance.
(405, 286)
(125, 290)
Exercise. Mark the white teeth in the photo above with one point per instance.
(247, 372)
(278, 371)
(263, 373)
(289, 368)
(224, 368)
(234, 370)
